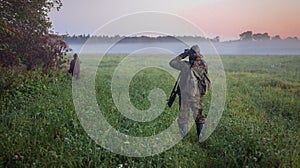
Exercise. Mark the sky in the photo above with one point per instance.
(224, 18)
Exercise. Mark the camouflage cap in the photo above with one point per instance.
(196, 49)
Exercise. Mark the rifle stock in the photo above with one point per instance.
(174, 92)
(172, 99)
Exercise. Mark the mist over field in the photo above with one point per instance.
(269, 47)
(109, 108)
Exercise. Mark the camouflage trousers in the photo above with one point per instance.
(188, 104)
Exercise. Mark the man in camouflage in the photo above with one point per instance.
(75, 66)
(192, 88)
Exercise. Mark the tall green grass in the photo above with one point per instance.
(259, 126)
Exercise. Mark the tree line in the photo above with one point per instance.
(134, 39)
(249, 35)
(25, 36)
(245, 36)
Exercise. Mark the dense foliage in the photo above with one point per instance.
(25, 37)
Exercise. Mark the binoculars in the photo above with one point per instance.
(186, 51)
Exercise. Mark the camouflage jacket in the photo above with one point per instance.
(191, 79)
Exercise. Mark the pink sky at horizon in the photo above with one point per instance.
(224, 18)
(231, 19)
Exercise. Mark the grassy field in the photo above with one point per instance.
(259, 126)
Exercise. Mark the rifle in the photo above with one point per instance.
(174, 92)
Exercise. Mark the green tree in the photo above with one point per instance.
(246, 35)
(5, 35)
(25, 34)
(260, 36)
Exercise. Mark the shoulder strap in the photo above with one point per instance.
(196, 74)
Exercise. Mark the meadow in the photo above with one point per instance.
(39, 126)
